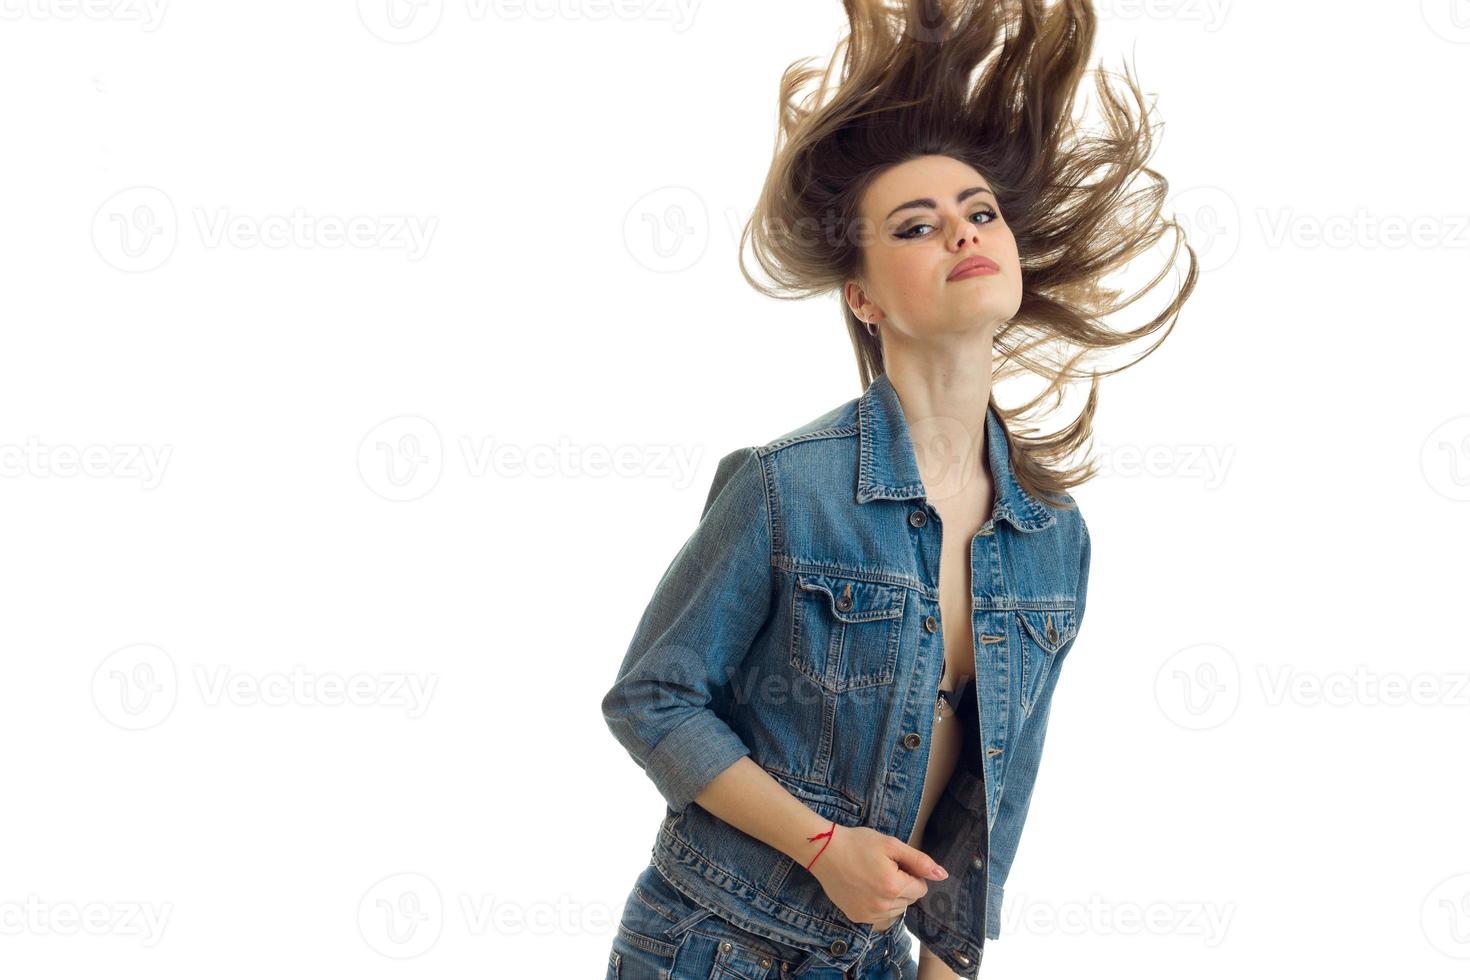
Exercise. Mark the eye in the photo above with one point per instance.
(909, 232)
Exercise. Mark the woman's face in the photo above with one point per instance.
(921, 219)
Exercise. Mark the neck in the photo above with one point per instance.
(944, 403)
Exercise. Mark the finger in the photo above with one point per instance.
(916, 889)
(915, 862)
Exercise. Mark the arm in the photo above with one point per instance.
(706, 611)
(712, 601)
(746, 797)
(932, 967)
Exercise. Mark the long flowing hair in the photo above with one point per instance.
(991, 83)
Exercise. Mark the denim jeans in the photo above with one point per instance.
(664, 935)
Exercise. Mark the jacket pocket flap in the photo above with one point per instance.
(1050, 628)
(853, 600)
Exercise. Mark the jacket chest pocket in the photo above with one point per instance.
(1043, 633)
(845, 632)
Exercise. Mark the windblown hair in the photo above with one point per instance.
(990, 83)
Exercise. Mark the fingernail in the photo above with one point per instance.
(940, 873)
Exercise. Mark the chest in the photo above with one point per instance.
(961, 515)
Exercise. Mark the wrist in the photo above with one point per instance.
(816, 845)
(793, 840)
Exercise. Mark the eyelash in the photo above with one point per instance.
(924, 224)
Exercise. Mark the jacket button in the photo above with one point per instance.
(918, 518)
(844, 602)
(912, 740)
(931, 624)
(725, 947)
(977, 862)
(962, 959)
(765, 962)
(837, 948)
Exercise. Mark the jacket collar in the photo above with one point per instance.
(889, 470)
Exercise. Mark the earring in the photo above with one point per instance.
(872, 329)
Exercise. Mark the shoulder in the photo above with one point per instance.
(834, 424)
(1070, 527)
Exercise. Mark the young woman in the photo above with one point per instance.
(842, 683)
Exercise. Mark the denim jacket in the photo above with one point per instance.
(799, 625)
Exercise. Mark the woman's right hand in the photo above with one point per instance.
(872, 877)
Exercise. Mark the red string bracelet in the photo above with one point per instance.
(827, 834)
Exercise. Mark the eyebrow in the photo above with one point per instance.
(929, 202)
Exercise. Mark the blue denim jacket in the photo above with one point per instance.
(798, 624)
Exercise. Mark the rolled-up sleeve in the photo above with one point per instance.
(712, 600)
(1020, 778)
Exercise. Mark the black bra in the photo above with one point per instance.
(952, 698)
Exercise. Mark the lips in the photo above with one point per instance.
(972, 264)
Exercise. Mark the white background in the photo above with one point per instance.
(245, 461)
